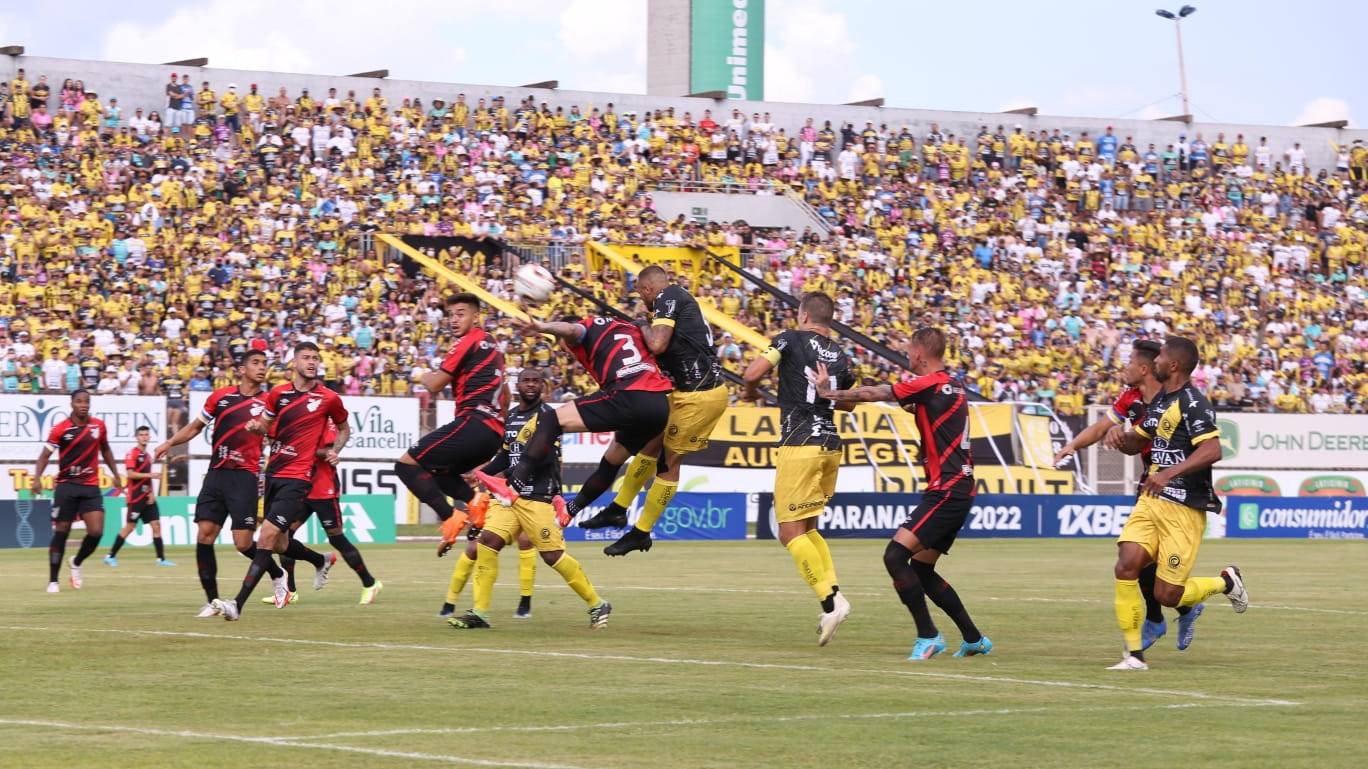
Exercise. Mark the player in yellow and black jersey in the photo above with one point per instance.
(1168, 521)
(809, 452)
(682, 342)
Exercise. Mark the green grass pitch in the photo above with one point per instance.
(710, 660)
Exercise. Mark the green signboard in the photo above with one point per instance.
(727, 48)
(367, 518)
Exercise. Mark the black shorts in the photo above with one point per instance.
(329, 512)
(634, 417)
(228, 494)
(941, 514)
(285, 498)
(70, 500)
(145, 511)
(459, 446)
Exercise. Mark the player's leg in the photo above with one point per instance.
(907, 582)
(91, 511)
(601, 479)
(152, 517)
(451, 450)
(547, 431)
(284, 497)
(63, 513)
(538, 519)
(1181, 529)
(500, 528)
(945, 597)
(460, 574)
(130, 523)
(527, 576)
(639, 472)
(1154, 626)
(798, 500)
(329, 512)
(646, 416)
(692, 418)
(1135, 549)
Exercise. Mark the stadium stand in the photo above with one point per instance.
(141, 248)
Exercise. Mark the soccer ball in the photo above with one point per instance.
(533, 282)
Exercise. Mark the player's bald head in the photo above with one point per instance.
(654, 274)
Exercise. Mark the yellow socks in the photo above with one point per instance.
(1130, 611)
(527, 570)
(809, 561)
(486, 572)
(657, 498)
(1199, 589)
(639, 471)
(825, 552)
(459, 575)
(570, 571)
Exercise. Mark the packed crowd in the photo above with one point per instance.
(141, 250)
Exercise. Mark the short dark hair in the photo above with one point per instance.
(1147, 349)
(300, 346)
(930, 339)
(465, 297)
(1184, 351)
(818, 306)
(78, 392)
(531, 370)
(142, 429)
(241, 359)
(653, 272)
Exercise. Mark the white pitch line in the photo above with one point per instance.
(607, 588)
(284, 742)
(456, 730)
(674, 661)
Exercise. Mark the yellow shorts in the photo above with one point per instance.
(536, 519)
(804, 479)
(1171, 533)
(693, 415)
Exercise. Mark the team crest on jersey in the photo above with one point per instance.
(599, 321)
(314, 404)
(95, 432)
(256, 410)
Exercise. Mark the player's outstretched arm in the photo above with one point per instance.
(183, 435)
(1090, 435)
(570, 332)
(821, 380)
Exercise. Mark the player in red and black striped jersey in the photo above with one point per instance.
(140, 500)
(295, 417)
(1129, 409)
(633, 403)
(433, 467)
(938, 402)
(80, 441)
(324, 501)
(229, 490)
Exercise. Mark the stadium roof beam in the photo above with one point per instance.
(1177, 118)
(378, 74)
(1327, 124)
(714, 95)
(12, 50)
(877, 101)
(202, 61)
(548, 84)
(1027, 111)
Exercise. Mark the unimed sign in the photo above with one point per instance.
(727, 47)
